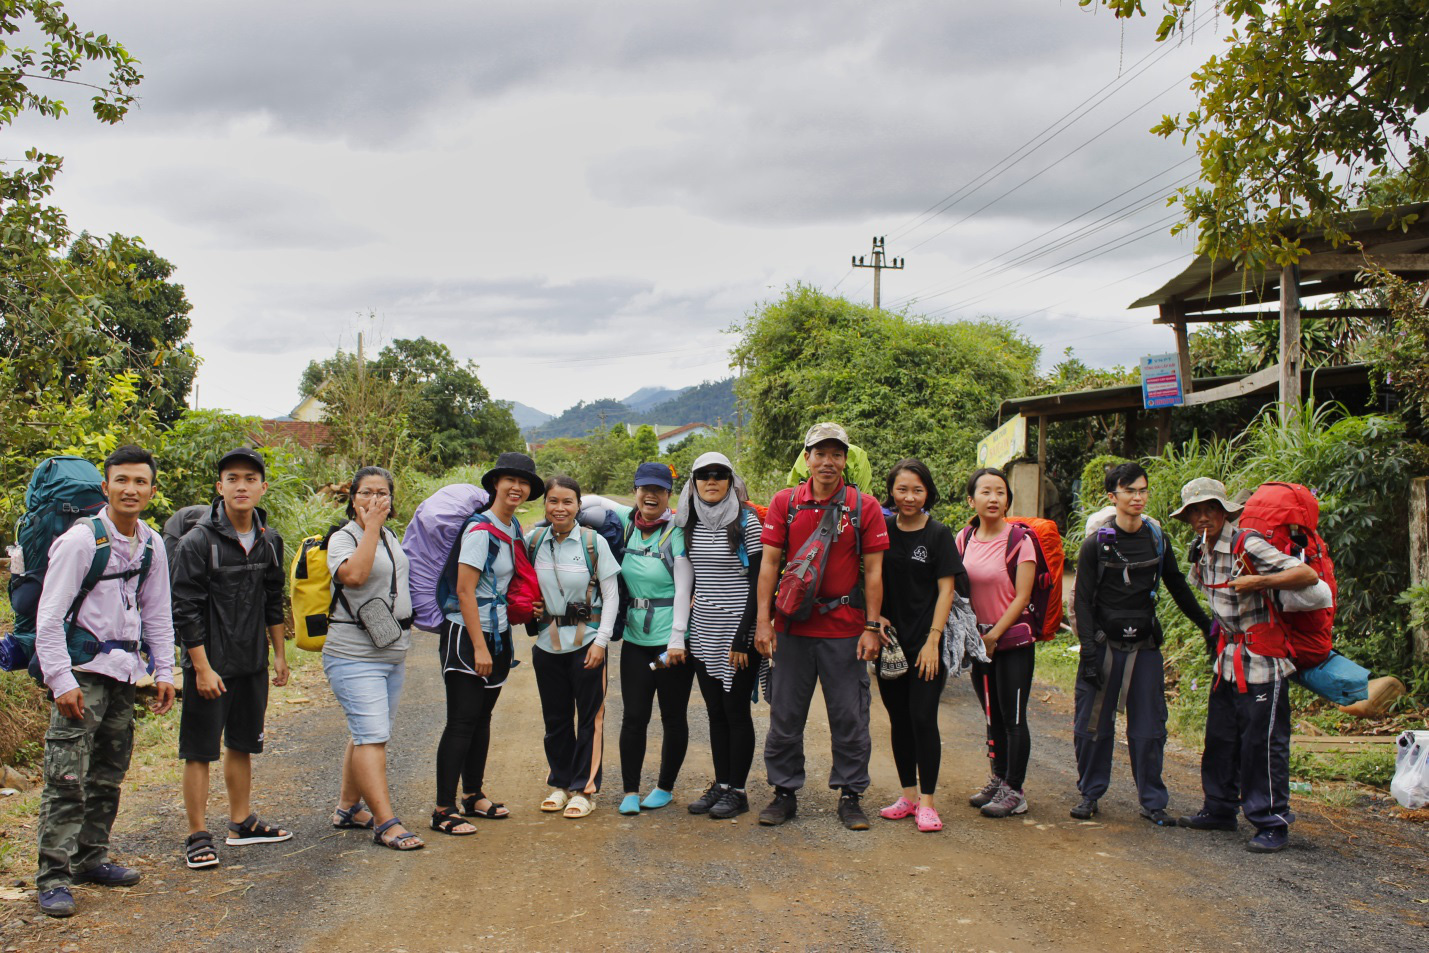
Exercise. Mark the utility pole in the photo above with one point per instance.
(601, 415)
(878, 264)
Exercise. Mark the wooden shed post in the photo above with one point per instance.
(1290, 358)
(1041, 464)
(1419, 553)
(1163, 429)
(1173, 313)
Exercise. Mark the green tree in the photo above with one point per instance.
(647, 445)
(900, 385)
(1309, 100)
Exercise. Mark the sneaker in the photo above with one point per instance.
(1009, 801)
(57, 902)
(708, 800)
(988, 792)
(1086, 809)
(1159, 817)
(1204, 820)
(731, 804)
(109, 875)
(851, 811)
(1269, 840)
(784, 807)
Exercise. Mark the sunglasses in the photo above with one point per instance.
(712, 474)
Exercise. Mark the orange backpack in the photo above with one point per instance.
(1044, 612)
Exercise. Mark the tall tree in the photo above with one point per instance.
(1309, 100)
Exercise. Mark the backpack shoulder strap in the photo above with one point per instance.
(97, 565)
(961, 539)
(1016, 533)
(588, 537)
(855, 518)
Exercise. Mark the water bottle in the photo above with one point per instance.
(17, 559)
(661, 661)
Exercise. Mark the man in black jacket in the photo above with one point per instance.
(228, 605)
(1119, 573)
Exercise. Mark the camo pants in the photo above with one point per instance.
(85, 762)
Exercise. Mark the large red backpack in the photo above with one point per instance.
(1287, 515)
(1044, 612)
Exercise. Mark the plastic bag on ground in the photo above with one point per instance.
(1410, 786)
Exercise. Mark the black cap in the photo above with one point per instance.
(245, 455)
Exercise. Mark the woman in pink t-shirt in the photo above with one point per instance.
(988, 547)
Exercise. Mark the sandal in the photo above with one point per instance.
(898, 810)
(446, 820)
(554, 801)
(254, 831)
(343, 818)
(404, 841)
(199, 851)
(579, 806)
(928, 820)
(497, 812)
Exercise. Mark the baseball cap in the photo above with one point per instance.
(818, 433)
(244, 455)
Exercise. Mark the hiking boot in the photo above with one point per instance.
(109, 875)
(1009, 801)
(57, 902)
(1204, 820)
(1086, 809)
(784, 807)
(1159, 817)
(851, 811)
(731, 804)
(988, 792)
(1269, 840)
(707, 800)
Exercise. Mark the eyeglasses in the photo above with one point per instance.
(369, 494)
(1143, 492)
(718, 475)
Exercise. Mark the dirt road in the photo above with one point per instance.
(668, 881)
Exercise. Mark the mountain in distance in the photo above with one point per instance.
(710, 403)
(526, 416)
(647, 397)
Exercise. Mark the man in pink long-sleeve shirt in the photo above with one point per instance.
(91, 731)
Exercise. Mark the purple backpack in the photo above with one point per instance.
(428, 542)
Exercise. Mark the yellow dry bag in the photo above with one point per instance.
(310, 589)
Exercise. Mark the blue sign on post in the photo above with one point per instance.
(1160, 381)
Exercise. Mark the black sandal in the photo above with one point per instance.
(404, 841)
(468, 809)
(196, 847)
(254, 831)
(445, 820)
(345, 821)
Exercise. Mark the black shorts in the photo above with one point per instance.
(236, 717)
(457, 655)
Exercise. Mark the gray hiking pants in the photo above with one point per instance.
(800, 661)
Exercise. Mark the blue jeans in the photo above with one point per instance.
(368, 692)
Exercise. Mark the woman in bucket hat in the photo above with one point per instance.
(476, 646)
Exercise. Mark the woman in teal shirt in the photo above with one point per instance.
(652, 662)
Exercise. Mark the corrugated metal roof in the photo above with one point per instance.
(1204, 278)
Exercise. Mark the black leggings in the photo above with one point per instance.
(912, 705)
(731, 722)
(1002, 687)
(639, 687)
(461, 754)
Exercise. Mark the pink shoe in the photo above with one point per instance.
(928, 820)
(898, 810)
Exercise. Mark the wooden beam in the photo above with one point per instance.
(1359, 261)
(1290, 341)
(1333, 284)
(1221, 317)
(1262, 379)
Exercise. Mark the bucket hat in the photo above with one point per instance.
(517, 465)
(1204, 489)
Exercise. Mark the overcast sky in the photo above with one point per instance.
(582, 197)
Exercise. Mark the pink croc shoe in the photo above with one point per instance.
(898, 810)
(928, 820)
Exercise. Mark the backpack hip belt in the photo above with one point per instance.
(1122, 688)
(649, 605)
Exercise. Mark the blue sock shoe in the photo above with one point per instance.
(657, 798)
(630, 804)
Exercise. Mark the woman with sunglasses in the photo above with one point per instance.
(722, 539)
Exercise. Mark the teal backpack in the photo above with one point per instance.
(62, 489)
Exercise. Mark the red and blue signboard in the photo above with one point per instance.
(1160, 381)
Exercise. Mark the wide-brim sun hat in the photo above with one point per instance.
(1204, 490)
(516, 465)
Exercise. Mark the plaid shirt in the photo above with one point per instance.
(1236, 612)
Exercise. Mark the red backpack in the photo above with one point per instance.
(524, 590)
(1287, 515)
(1044, 612)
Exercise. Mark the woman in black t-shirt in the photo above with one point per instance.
(921, 570)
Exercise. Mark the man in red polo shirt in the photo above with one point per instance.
(831, 646)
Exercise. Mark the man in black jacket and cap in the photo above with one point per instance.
(228, 605)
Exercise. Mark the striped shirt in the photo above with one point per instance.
(721, 594)
(1236, 612)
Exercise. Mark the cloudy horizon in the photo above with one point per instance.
(582, 198)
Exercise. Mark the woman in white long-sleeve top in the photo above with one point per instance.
(577, 573)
